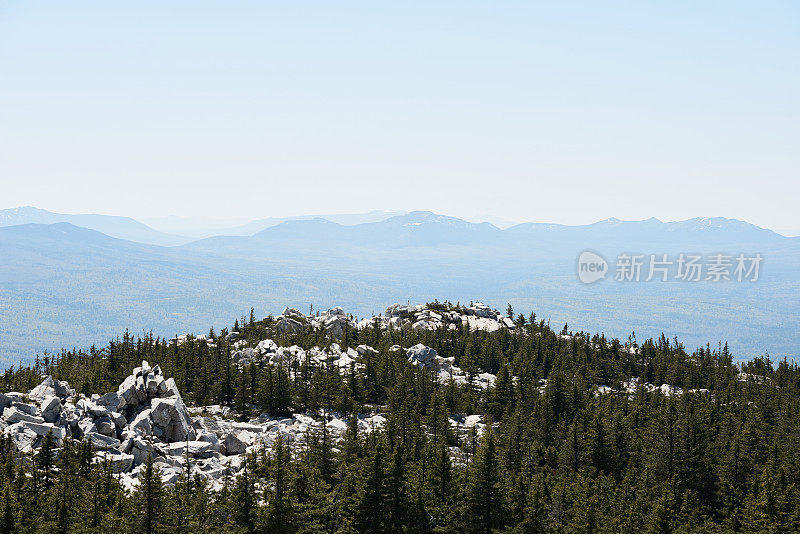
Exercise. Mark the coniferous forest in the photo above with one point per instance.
(578, 436)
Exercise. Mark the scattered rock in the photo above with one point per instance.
(172, 417)
(13, 414)
(146, 416)
(50, 387)
(50, 408)
(120, 462)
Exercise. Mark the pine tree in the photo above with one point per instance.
(312, 506)
(371, 500)
(535, 511)
(243, 500)
(661, 518)
(69, 489)
(149, 498)
(282, 393)
(397, 493)
(8, 521)
(280, 509)
(44, 459)
(243, 396)
(483, 499)
(766, 507)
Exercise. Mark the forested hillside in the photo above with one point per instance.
(518, 428)
(64, 286)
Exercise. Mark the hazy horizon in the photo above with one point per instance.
(198, 220)
(566, 113)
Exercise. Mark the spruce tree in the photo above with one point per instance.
(483, 499)
(243, 500)
(149, 498)
(280, 512)
(8, 521)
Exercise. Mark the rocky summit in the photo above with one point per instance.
(147, 417)
(437, 417)
(477, 316)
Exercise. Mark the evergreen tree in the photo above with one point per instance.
(244, 502)
(149, 498)
(44, 458)
(8, 521)
(483, 500)
(369, 513)
(280, 514)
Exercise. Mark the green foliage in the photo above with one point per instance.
(556, 455)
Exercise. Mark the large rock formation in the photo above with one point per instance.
(421, 356)
(146, 416)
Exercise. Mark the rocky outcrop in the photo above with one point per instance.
(334, 321)
(144, 405)
(421, 356)
(146, 417)
(420, 317)
(288, 325)
(268, 352)
(51, 388)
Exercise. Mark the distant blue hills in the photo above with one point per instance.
(121, 227)
(77, 280)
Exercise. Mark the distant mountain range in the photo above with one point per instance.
(198, 228)
(399, 228)
(172, 230)
(423, 230)
(120, 227)
(79, 281)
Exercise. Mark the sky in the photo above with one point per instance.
(566, 112)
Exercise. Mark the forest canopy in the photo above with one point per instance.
(579, 433)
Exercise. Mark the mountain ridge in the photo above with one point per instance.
(81, 286)
(111, 225)
(134, 230)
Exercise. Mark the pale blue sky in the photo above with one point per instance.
(563, 111)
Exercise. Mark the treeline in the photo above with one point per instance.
(557, 456)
